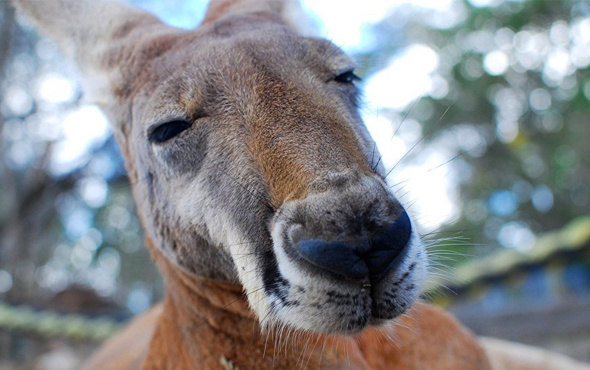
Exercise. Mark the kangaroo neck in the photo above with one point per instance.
(207, 324)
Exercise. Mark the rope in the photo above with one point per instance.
(53, 324)
(573, 238)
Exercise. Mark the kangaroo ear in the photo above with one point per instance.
(102, 37)
(287, 11)
(220, 8)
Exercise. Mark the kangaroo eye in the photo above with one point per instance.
(347, 77)
(168, 130)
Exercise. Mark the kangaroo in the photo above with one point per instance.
(262, 196)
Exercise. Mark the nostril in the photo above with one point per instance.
(388, 247)
(341, 258)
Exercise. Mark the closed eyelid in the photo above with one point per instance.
(167, 130)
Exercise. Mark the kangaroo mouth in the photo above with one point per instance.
(335, 306)
(323, 289)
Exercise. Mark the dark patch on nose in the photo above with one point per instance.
(373, 258)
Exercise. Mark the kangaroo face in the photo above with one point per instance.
(249, 162)
(258, 167)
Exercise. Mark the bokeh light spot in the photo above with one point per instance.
(503, 203)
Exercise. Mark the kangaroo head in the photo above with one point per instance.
(248, 159)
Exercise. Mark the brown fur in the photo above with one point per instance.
(275, 147)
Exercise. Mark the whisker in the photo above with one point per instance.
(430, 131)
(461, 153)
(406, 115)
(373, 155)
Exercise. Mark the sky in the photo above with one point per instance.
(429, 191)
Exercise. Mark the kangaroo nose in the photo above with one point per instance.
(372, 258)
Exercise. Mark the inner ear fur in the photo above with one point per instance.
(221, 8)
(84, 28)
(288, 12)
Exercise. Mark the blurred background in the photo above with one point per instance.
(480, 108)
